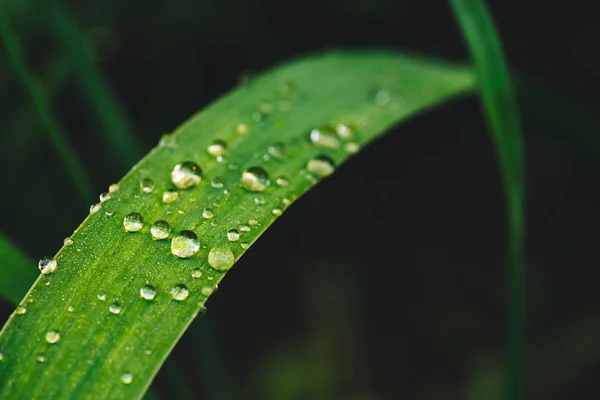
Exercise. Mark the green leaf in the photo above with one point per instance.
(17, 272)
(501, 111)
(265, 124)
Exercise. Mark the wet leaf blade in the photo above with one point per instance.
(17, 272)
(97, 347)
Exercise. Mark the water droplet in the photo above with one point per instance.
(233, 235)
(160, 230)
(208, 213)
(147, 185)
(325, 137)
(71, 309)
(148, 292)
(115, 308)
(277, 211)
(133, 222)
(252, 222)
(52, 337)
(101, 297)
(104, 196)
(41, 358)
(244, 245)
(180, 292)
(343, 131)
(47, 265)
(286, 201)
(1, 357)
(185, 244)
(221, 258)
(277, 150)
(282, 181)
(217, 148)
(242, 129)
(68, 241)
(186, 175)
(207, 290)
(21, 310)
(255, 179)
(148, 352)
(245, 228)
(320, 166)
(217, 182)
(95, 207)
(265, 106)
(126, 378)
(169, 196)
(259, 200)
(382, 97)
(352, 147)
(214, 223)
(108, 213)
(233, 166)
(196, 273)
(113, 188)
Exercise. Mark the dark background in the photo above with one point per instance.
(387, 281)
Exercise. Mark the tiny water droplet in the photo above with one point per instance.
(147, 185)
(71, 309)
(95, 208)
(108, 213)
(216, 182)
(344, 131)
(277, 150)
(113, 188)
(68, 241)
(186, 174)
(325, 137)
(320, 166)
(126, 378)
(242, 129)
(196, 273)
(244, 245)
(148, 292)
(282, 181)
(255, 179)
(148, 352)
(233, 235)
(180, 292)
(21, 310)
(104, 196)
(286, 201)
(1, 357)
(207, 290)
(214, 223)
(259, 200)
(52, 337)
(221, 258)
(208, 213)
(217, 148)
(101, 297)
(252, 222)
(352, 147)
(185, 244)
(115, 308)
(382, 97)
(277, 211)
(160, 230)
(244, 228)
(133, 222)
(47, 265)
(233, 166)
(41, 358)
(169, 196)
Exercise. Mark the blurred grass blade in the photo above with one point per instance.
(501, 111)
(116, 126)
(17, 271)
(35, 91)
(112, 341)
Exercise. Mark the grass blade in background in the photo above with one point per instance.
(17, 271)
(501, 111)
(112, 341)
(36, 93)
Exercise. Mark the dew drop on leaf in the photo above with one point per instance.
(180, 293)
(207, 290)
(352, 147)
(221, 258)
(104, 196)
(21, 310)
(259, 200)
(208, 213)
(242, 129)
(325, 137)
(196, 273)
(282, 181)
(320, 166)
(101, 297)
(244, 228)
(277, 150)
(147, 185)
(185, 244)
(133, 222)
(343, 131)
(160, 230)
(169, 196)
(41, 358)
(95, 208)
(113, 188)
(217, 148)
(233, 235)
(47, 265)
(148, 292)
(255, 179)
(382, 97)
(277, 211)
(245, 245)
(52, 337)
(186, 174)
(68, 241)
(115, 308)
(216, 182)
(126, 378)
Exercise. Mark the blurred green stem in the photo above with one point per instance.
(37, 95)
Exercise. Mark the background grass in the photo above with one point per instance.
(430, 186)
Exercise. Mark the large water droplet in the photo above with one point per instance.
(95, 208)
(126, 378)
(148, 292)
(113, 188)
(169, 196)
(186, 175)
(180, 292)
(255, 179)
(217, 148)
(68, 241)
(147, 185)
(133, 222)
(47, 265)
(277, 150)
(160, 230)
(21, 310)
(115, 308)
(320, 166)
(233, 235)
(325, 137)
(52, 337)
(221, 258)
(208, 213)
(185, 244)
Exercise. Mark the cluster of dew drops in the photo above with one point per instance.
(188, 174)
